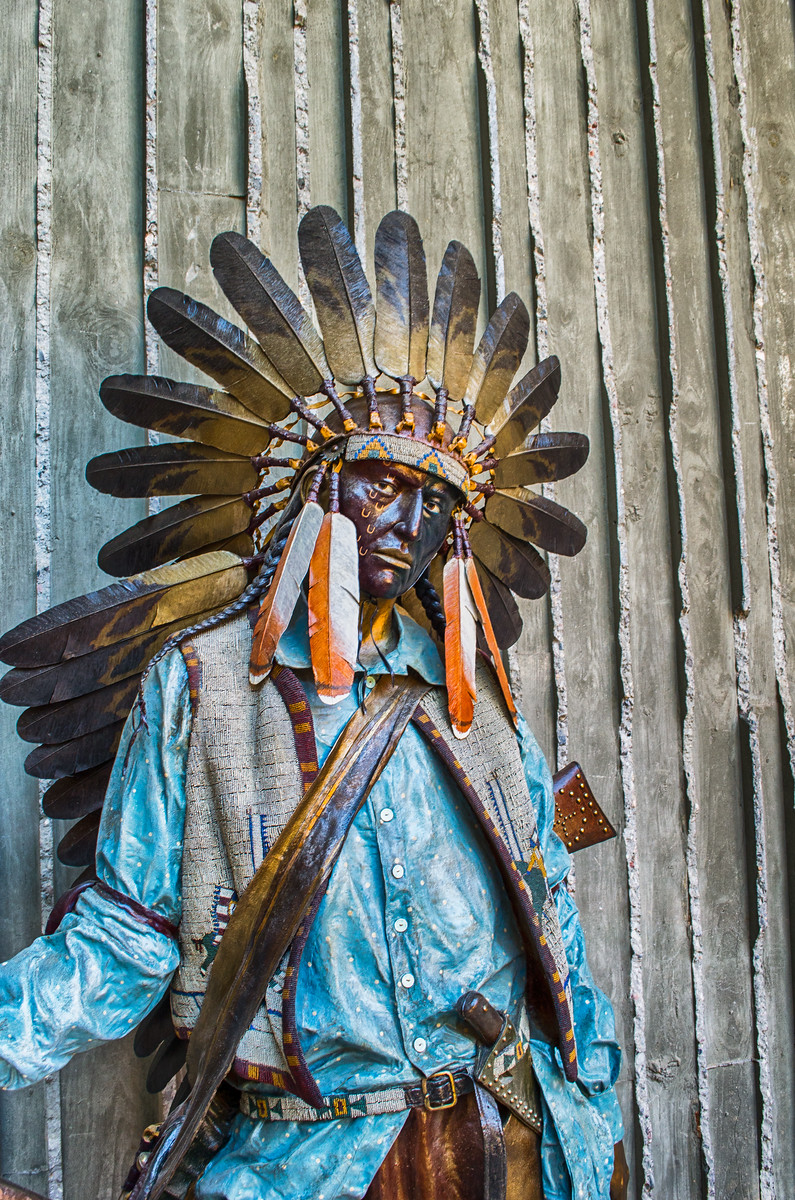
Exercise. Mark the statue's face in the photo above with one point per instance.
(401, 516)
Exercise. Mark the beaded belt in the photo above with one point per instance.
(434, 1093)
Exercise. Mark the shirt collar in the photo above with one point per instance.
(414, 648)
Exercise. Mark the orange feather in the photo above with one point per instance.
(460, 646)
(280, 600)
(485, 620)
(334, 607)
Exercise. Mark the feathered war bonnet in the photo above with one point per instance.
(356, 387)
(399, 338)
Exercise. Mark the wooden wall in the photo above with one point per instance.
(627, 167)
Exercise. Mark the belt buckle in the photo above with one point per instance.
(427, 1103)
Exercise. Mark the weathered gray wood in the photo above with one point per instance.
(201, 143)
(587, 585)
(658, 872)
(760, 728)
(22, 1139)
(718, 879)
(277, 103)
(96, 329)
(328, 153)
(442, 129)
(377, 131)
(534, 652)
(765, 64)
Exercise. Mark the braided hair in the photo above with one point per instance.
(429, 599)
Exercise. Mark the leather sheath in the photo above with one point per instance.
(270, 910)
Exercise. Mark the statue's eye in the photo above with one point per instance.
(432, 503)
(386, 487)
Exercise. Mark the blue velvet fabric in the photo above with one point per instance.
(376, 999)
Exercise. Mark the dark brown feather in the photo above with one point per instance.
(79, 846)
(185, 410)
(221, 350)
(506, 619)
(242, 544)
(497, 357)
(51, 723)
(535, 519)
(71, 798)
(547, 456)
(402, 306)
(455, 313)
(169, 1059)
(174, 532)
(272, 311)
(171, 469)
(517, 565)
(343, 302)
(156, 1027)
(78, 754)
(124, 610)
(526, 404)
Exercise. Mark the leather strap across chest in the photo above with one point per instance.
(269, 912)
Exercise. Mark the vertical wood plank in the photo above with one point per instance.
(277, 101)
(327, 74)
(377, 118)
(443, 142)
(23, 1153)
(96, 329)
(755, 616)
(655, 813)
(533, 654)
(765, 72)
(717, 876)
(201, 147)
(586, 582)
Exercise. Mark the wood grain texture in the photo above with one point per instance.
(279, 217)
(377, 120)
(445, 189)
(534, 652)
(763, 747)
(717, 872)
(661, 812)
(328, 136)
(587, 582)
(96, 327)
(22, 1115)
(765, 75)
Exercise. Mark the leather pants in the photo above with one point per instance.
(439, 1156)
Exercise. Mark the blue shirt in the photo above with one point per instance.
(415, 914)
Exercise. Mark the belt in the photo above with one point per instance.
(438, 1091)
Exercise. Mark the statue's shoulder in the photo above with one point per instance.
(217, 658)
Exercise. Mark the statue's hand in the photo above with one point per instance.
(620, 1177)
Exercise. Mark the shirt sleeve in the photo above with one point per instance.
(105, 968)
(598, 1052)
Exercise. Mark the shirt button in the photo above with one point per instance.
(420, 1045)
(386, 815)
(369, 681)
(401, 925)
(398, 871)
(407, 980)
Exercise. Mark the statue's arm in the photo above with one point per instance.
(598, 1052)
(108, 964)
